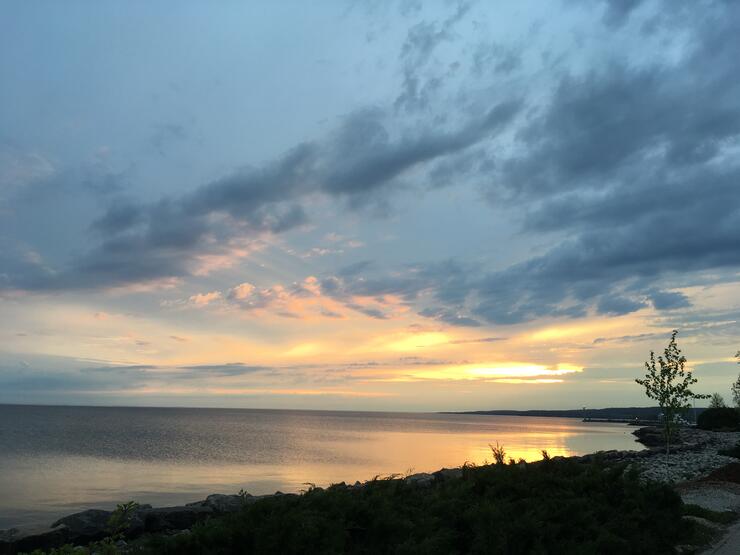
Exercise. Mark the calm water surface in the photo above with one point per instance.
(57, 460)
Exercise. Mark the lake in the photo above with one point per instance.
(58, 460)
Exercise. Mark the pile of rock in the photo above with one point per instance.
(694, 454)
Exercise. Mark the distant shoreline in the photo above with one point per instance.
(642, 413)
(611, 412)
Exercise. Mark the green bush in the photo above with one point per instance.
(557, 506)
(723, 418)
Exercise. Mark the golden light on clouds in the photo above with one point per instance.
(501, 372)
(414, 341)
(585, 329)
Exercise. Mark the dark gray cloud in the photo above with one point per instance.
(358, 162)
(218, 370)
(669, 300)
(166, 134)
(420, 82)
(616, 305)
(60, 375)
(630, 338)
(627, 170)
(450, 317)
(617, 12)
(497, 59)
(480, 340)
(119, 216)
(634, 164)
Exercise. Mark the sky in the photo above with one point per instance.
(366, 205)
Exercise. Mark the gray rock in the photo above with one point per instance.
(89, 525)
(650, 436)
(421, 479)
(221, 503)
(448, 473)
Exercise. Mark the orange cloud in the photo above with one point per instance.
(204, 299)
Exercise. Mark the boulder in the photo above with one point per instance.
(173, 518)
(86, 526)
(650, 436)
(421, 479)
(448, 473)
(221, 503)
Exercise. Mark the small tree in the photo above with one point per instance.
(669, 383)
(736, 386)
(716, 401)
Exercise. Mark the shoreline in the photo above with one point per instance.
(694, 456)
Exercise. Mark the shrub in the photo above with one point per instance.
(558, 506)
(716, 401)
(499, 454)
(724, 418)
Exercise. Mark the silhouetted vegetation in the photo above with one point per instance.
(716, 401)
(555, 506)
(736, 386)
(722, 418)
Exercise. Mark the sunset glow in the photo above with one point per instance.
(382, 206)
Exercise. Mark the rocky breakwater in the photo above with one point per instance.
(694, 453)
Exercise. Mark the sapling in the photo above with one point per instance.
(669, 383)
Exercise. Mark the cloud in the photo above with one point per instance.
(635, 165)
(148, 242)
(204, 299)
(624, 169)
(419, 81)
(166, 134)
(19, 168)
(630, 338)
(478, 340)
(617, 12)
(218, 370)
(617, 305)
(449, 317)
(496, 59)
(669, 300)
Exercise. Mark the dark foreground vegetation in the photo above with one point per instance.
(557, 506)
(719, 418)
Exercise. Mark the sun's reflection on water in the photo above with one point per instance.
(264, 453)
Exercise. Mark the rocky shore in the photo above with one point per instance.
(694, 455)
